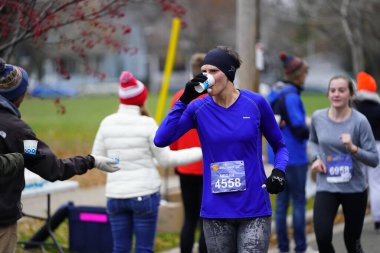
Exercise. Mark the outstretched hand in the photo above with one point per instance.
(190, 93)
(105, 164)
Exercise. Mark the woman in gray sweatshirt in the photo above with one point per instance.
(341, 142)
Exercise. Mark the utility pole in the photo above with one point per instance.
(257, 45)
(247, 29)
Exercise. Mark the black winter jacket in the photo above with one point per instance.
(368, 103)
(10, 163)
(13, 130)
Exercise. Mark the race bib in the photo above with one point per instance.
(228, 176)
(339, 168)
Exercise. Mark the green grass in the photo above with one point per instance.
(314, 101)
(75, 130)
(73, 133)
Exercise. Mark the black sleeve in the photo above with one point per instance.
(300, 132)
(50, 168)
(11, 163)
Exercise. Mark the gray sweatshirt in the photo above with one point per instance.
(325, 141)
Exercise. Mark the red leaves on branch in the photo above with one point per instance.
(179, 11)
(99, 75)
(116, 12)
(12, 5)
(79, 14)
(171, 6)
(126, 29)
(5, 31)
(61, 109)
(90, 44)
(37, 31)
(130, 50)
(79, 25)
(50, 17)
(184, 24)
(85, 33)
(60, 68)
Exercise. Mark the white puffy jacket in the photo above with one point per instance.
(128, 136)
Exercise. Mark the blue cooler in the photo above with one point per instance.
(89, 230)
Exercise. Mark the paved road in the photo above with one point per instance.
(95, 196)
(370, 240)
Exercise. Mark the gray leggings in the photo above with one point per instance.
(237, 235)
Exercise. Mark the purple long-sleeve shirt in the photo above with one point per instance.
(231, 140)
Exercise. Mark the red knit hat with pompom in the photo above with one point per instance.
(131, 90)
(290, 63)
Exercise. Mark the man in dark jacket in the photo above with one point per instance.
(13, 130)
(367, 101)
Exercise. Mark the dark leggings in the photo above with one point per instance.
(191, 189)
(325, 209)
(245, 235)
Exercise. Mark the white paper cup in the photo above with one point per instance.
(206, 84)
(30, 146)
(116, 156)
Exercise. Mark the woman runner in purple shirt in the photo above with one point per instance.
(230, 122)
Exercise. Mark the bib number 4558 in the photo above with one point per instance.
(227, 183)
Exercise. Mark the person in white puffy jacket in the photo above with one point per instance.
(133, 192)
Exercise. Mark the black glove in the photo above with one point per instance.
(31, 160)
(275, 183)
(190, 93)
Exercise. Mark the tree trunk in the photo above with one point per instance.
(354, 39)
(246, 40)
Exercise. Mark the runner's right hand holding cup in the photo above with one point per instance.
(193, 85)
